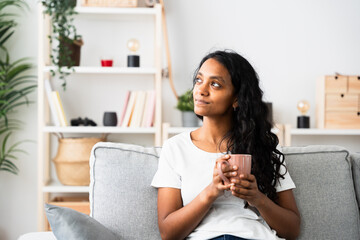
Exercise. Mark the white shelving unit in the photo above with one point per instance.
(109, 70)
(55, 187)
(50, 129)
(290, 133)
(46, 183)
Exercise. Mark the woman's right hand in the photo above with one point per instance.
(217, 185)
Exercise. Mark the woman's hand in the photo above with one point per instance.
(246, 188)
(217, 185)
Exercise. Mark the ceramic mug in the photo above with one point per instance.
(243, 161)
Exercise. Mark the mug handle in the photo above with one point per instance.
(221, 174)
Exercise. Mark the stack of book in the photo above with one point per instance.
(56, 107)
(138, 110)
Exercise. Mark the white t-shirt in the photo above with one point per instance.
(184, 166)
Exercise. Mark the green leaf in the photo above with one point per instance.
(8, 170)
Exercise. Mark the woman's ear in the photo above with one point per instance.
(235, 103)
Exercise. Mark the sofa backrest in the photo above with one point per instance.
(324, 192)
(122, 199)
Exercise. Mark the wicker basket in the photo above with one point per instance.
(72, 160)
(109, 3)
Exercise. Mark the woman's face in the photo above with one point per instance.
(213, 90)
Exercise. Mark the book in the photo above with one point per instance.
(59, 108)
(138, 109)
(151, 113)
(54, 116)
(129, 110)
(147, 109)
(126, 101)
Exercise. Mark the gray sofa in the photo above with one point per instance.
(121, 198)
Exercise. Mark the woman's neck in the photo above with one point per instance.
(209, 136)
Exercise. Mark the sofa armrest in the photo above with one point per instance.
(355, 164)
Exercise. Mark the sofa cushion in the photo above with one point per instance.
(328, 208)
(67, 223)
(120, 176)
(355, 163)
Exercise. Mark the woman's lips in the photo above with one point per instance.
(201, 102)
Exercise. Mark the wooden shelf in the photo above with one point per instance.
(316, 131)
(109, 10)
(105, 70)
(56, 187)
(51, 129)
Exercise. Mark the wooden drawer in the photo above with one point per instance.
(341, 102)
(336, 84)
(349, 120)
(354, 84)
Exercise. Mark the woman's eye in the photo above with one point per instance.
(216, 84)
(197, 80)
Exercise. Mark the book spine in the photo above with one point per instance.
(57, 106)
(60, 109)
(146, 110)
(150, 121)
(126, 101)
(139, 107)
(54, 114)
(129, 109)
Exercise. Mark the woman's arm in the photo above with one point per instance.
(176, 221)
(283, 217)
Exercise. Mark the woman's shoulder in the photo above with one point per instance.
(180, 138)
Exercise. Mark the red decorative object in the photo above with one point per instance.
(106, 63)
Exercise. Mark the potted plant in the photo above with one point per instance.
(15, 86)
(66, 43)
(186, 106)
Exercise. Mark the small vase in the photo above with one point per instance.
(110, 119)
(189, 119)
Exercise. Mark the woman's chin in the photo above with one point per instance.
(198, 112)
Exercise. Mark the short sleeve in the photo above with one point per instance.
(166, 176)
(286, 183)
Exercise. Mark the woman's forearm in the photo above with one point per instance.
(284, 221)
(180, 223)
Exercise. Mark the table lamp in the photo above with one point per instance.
(133, 60)
(303, 121)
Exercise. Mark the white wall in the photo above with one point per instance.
(290, 44)
(18, 194)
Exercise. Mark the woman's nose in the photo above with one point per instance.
(202, 89)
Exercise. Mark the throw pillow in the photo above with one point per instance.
(68, 224)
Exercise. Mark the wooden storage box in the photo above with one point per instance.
(109, 3)
(80, 204)
(338, 102)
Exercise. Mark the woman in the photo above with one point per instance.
(192, 199)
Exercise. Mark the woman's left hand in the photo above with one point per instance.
(246, 188)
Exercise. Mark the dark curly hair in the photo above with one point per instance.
(250, 132)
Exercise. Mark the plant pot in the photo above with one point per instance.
(189, 119)
(74, 48)
(72, 160)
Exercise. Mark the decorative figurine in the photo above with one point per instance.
(303, 121)
(133, 60)
(107, 61)
(85, 122)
